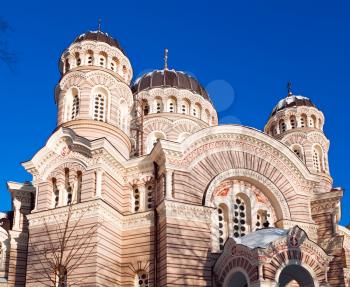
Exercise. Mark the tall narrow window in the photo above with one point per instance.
(102, 59)
(303, 121)
(56, 193)
(282, 126)
(136, 199)
(223, 225)
(68, 187)
(145, 107)
(158, 106)
(239, 218)
(149, 190)
(99, 107)
(196, 111)
(185, 107)
(89, 58)
(262, 219)
(75, 107)
(171, 105)
(317, 159)
(293, 122)
(297, 149)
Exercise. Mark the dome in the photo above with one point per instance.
(99, 36)
(292, 101)
(169, 78)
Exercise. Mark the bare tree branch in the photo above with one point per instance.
(68, 247)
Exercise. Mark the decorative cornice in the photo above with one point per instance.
(92, 209)
(172, 209)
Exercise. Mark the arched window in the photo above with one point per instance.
(68, 188)
(152, 139)
(114, 64)
(273, 130)
(67, 65)
(298, 150)
(185, 107)
(282, 126)
(158, 105)
(55, 193)
(223, 225)
(102, 60)
(196, 110)
(149, 193)
(293, 122)
(145, 107)
(141, 279)
(317, 158)
(303, 121)
(320, 124)
(71, 104)
(312, 121)
(75, 107)
(77, 59)
(136, 199)
(262, 219)
(171, 106)
(99, 107)
(239, 218)
(89, 57)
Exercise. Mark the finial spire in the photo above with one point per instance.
(289, 88)
(99, 24)
(165, 59)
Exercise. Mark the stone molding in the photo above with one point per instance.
(92, 209)
(173, 209)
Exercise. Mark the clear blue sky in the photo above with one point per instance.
(255, 47)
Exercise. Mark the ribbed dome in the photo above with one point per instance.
(169, 78)
(99, 36)
(292, 101)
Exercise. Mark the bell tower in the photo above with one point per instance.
(298, 123)
(93, 95)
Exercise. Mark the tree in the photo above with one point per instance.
(5, 55)
(66, 248)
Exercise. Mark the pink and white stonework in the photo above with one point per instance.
(180, 200)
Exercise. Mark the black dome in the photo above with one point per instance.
(292, 101)
(169, 78)
(99, 36)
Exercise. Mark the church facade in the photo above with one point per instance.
(146, 189)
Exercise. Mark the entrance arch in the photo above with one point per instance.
(237, 277)
(295, 275)
(237, 280)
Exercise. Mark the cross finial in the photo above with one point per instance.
(99, 24)
(289, 88)
(165, 59)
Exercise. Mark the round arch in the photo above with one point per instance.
(297, 272)
(266, 186)
(237, 277)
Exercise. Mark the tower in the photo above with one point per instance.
(93, 95)
(297, 122)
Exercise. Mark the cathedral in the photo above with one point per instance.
(138, 186)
